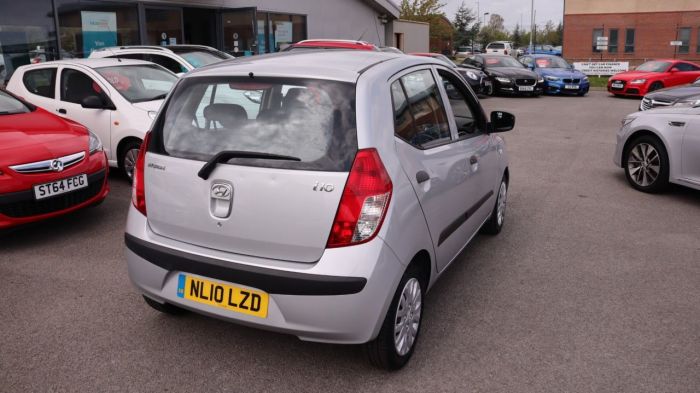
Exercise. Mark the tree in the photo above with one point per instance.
(465, 28)
(429, 11)
(494, 30)
(517, 36)
(496, 23)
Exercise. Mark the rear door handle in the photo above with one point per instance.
(62, 111)
(422, 177)
(676, 123)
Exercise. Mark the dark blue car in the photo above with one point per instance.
(559, 76)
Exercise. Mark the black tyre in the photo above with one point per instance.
(656, 86)
(498, 215)
(646, 164)
(127, 158)
(165, 308)
(390, 350)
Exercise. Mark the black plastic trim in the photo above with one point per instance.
(268, 280)
(454, 225)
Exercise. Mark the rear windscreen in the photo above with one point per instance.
(497, 46)
(313, 120)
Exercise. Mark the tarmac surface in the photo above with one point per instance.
(591, 287)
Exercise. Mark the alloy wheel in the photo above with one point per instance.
(501, 208)
(644, 164)
(130, 162)
(408, 311)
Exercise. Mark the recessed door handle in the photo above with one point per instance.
(62, 111)
(422, 177)
(676, 123)
(473, 160)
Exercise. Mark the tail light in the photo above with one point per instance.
(138, 189)
(364, 202)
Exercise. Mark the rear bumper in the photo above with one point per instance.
(327, 301)
(20, 208)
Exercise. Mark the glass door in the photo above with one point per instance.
(239, 27)
(163, 26)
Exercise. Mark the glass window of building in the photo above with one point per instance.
(629, 41)
(596, 34)
(27, 35)
(612, 42)
(684, 38)
(163, 26)
(285, 30)
(88, 25)
(239, 34)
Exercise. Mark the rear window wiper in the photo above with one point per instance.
(226, 155)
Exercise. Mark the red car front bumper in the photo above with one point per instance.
(19, 206)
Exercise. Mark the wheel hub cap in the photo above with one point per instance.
(644, 164)
(407, 321)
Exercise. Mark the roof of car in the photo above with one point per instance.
(96, 63)
(342, 65)
(425, 54)
(332, 43)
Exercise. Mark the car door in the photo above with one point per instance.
(690, 151)
(75, 84)
(687, 73)
(480, 161)
(436, 167)
(39, 87)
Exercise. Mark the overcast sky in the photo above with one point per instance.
(512, 10)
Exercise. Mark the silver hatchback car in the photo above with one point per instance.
(319, 194)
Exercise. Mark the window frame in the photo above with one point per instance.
(684, 48)
(447, 110)
(594, 37)
(54, 80)
(104, 94)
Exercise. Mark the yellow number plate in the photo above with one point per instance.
(245, 301)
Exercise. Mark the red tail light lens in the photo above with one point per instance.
(138, 189)
(364, 202)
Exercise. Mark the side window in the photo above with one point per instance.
(467, 122)
(41, 82)
(167, 63)
(686, 67)
(134, 56)
(526, 60)
(429, 126)
(76, 86)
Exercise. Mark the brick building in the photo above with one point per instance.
(637, 30)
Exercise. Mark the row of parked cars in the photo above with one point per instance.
(319, 193)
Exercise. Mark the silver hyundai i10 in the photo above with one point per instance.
(319, 194)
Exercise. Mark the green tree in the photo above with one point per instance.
(465, 26)
(517, 36)
(493, 31)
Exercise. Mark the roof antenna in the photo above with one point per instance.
(251, 75)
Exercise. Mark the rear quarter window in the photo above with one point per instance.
(41, 82)
(313, 120)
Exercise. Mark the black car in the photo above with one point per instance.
(671, 96)
(478, 80)
(508, 76)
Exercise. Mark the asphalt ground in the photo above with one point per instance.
(591, 287)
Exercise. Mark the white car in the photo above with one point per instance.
(116, 99)
(661, 146)
(500, 47)
(176, 58)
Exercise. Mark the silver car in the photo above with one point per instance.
(319, 194)
(661, 146)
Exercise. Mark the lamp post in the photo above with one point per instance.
(485, 15)
(532, 23)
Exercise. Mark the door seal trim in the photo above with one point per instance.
(454, 225)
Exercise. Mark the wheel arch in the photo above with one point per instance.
(122, 144)
(638, 134)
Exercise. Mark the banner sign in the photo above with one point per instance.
(602, 67)
(283, 33)
(99, 30)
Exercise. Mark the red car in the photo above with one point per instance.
(653, 75)
(49, 166)
(333, 44)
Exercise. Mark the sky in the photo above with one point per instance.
(512, 10)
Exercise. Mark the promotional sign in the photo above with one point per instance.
(676, 43)
(602, 67)
(283, 33)
(602, 43)
(99, 30)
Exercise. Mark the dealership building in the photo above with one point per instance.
(42, 30)
(636, 30)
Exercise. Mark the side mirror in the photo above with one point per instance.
(93, 102)
(501, 122)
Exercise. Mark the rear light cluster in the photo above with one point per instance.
(364, 202)
(138, 190)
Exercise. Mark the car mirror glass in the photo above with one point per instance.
(501, 121)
